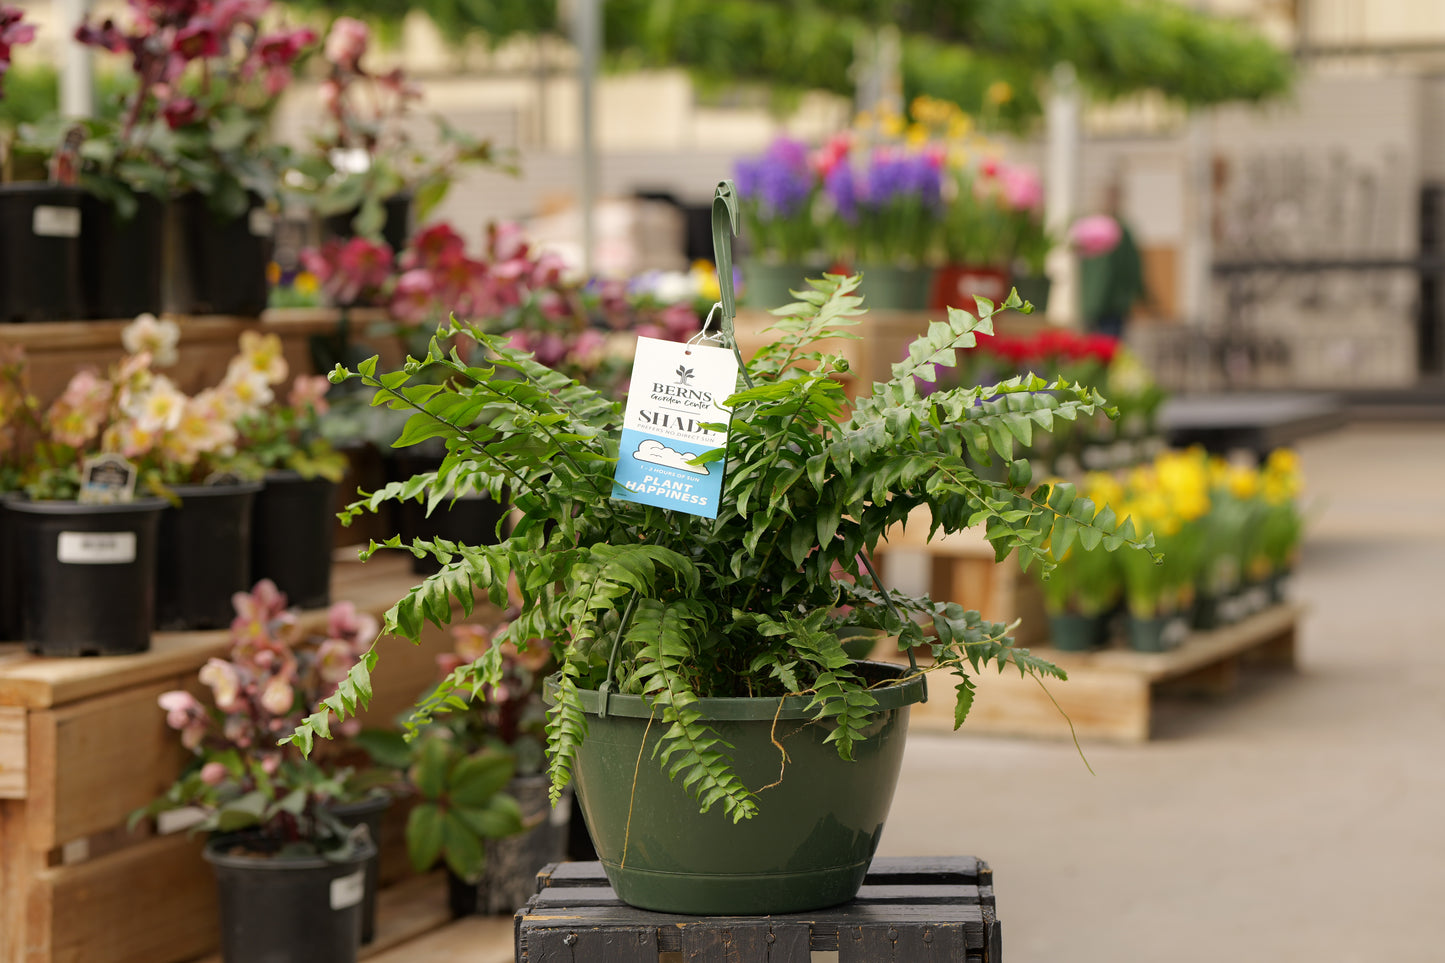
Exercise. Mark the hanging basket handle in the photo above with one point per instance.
(724, 226)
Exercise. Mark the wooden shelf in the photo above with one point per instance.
(83, 744)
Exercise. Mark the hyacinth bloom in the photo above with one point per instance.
(889, 210)
(776, 193)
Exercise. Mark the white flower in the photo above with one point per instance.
(159, 408)
(159, 338)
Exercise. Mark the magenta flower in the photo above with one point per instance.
(179, 112)
(13, 33)
(350, 271)
(1022, 189)
(198, 39)
(213, 773)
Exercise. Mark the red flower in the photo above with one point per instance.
(178, 112)
(199, 39)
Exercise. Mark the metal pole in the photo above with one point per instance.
(587, 34)
(77, 82)
(1063, 122)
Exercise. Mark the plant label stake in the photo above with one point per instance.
(106, 480)
(672, 452)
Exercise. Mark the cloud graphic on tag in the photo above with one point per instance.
(656, 453)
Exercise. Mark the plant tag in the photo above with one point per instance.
(95, 548)
(52, 221)
(175, 820)
(106, 480)
(676, 388)
(346, 891)
(259, 222)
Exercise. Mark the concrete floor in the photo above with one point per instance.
(1301, 818)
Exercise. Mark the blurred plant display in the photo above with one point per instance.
(364, 152)
(205, 78)
(1228, 532)
(240, 777)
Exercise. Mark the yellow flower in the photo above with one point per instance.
(706, 276)
(959, 126)
(1243, 481)
(306, 283)
(864, 120)
(891, 126)
(999, 92)
(917, 135)
(263, 353)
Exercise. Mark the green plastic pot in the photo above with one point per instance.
(1078, 633)
(815, 833)
(769, 285)
(888, 287)
(1156, 634)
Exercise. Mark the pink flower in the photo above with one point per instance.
(1022, 189)
(1095, 235)
(347, 42)
(433, 246)
(309, 391)
(213, 773)
(832, 153)
(182, 708)
(506, 241)
(413, 298)
(262, 604)
(225, 684)
(334, 659)
(281, 49)
(349, 269)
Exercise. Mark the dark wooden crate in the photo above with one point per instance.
(908, 911)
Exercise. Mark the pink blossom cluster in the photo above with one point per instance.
(1016, 185)
(271, 679)
(166, 39)
(1095, 235)
(12, 34)
(364, 107)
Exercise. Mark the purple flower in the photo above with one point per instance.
(780, 182)
(842, 187)
(894, 176)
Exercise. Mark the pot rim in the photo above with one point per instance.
(904, 691)
(24, 503)
(225, 488)
(215, 854)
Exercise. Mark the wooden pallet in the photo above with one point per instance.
(915, 910)
(1110, 693)
(82, 744)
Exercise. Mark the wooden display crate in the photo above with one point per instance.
(83, 744)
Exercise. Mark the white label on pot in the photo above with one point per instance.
(96, 548)
(347, 890)
(51, 221)
(260, 222)
(676, 390)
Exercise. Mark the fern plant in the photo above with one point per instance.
(676, 607)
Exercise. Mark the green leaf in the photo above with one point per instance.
(424, 835)
(477, 778)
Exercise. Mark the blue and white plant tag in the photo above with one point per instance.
(676, 388)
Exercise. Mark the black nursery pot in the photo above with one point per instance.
(86, 574)
(9, 577)
(291, 537)
(40, 252)
(509, 877)
(395, 230)
(121, 258)
(470, 519)
(226, 258)
(367, 812)
(284, 908)
(204, 555)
